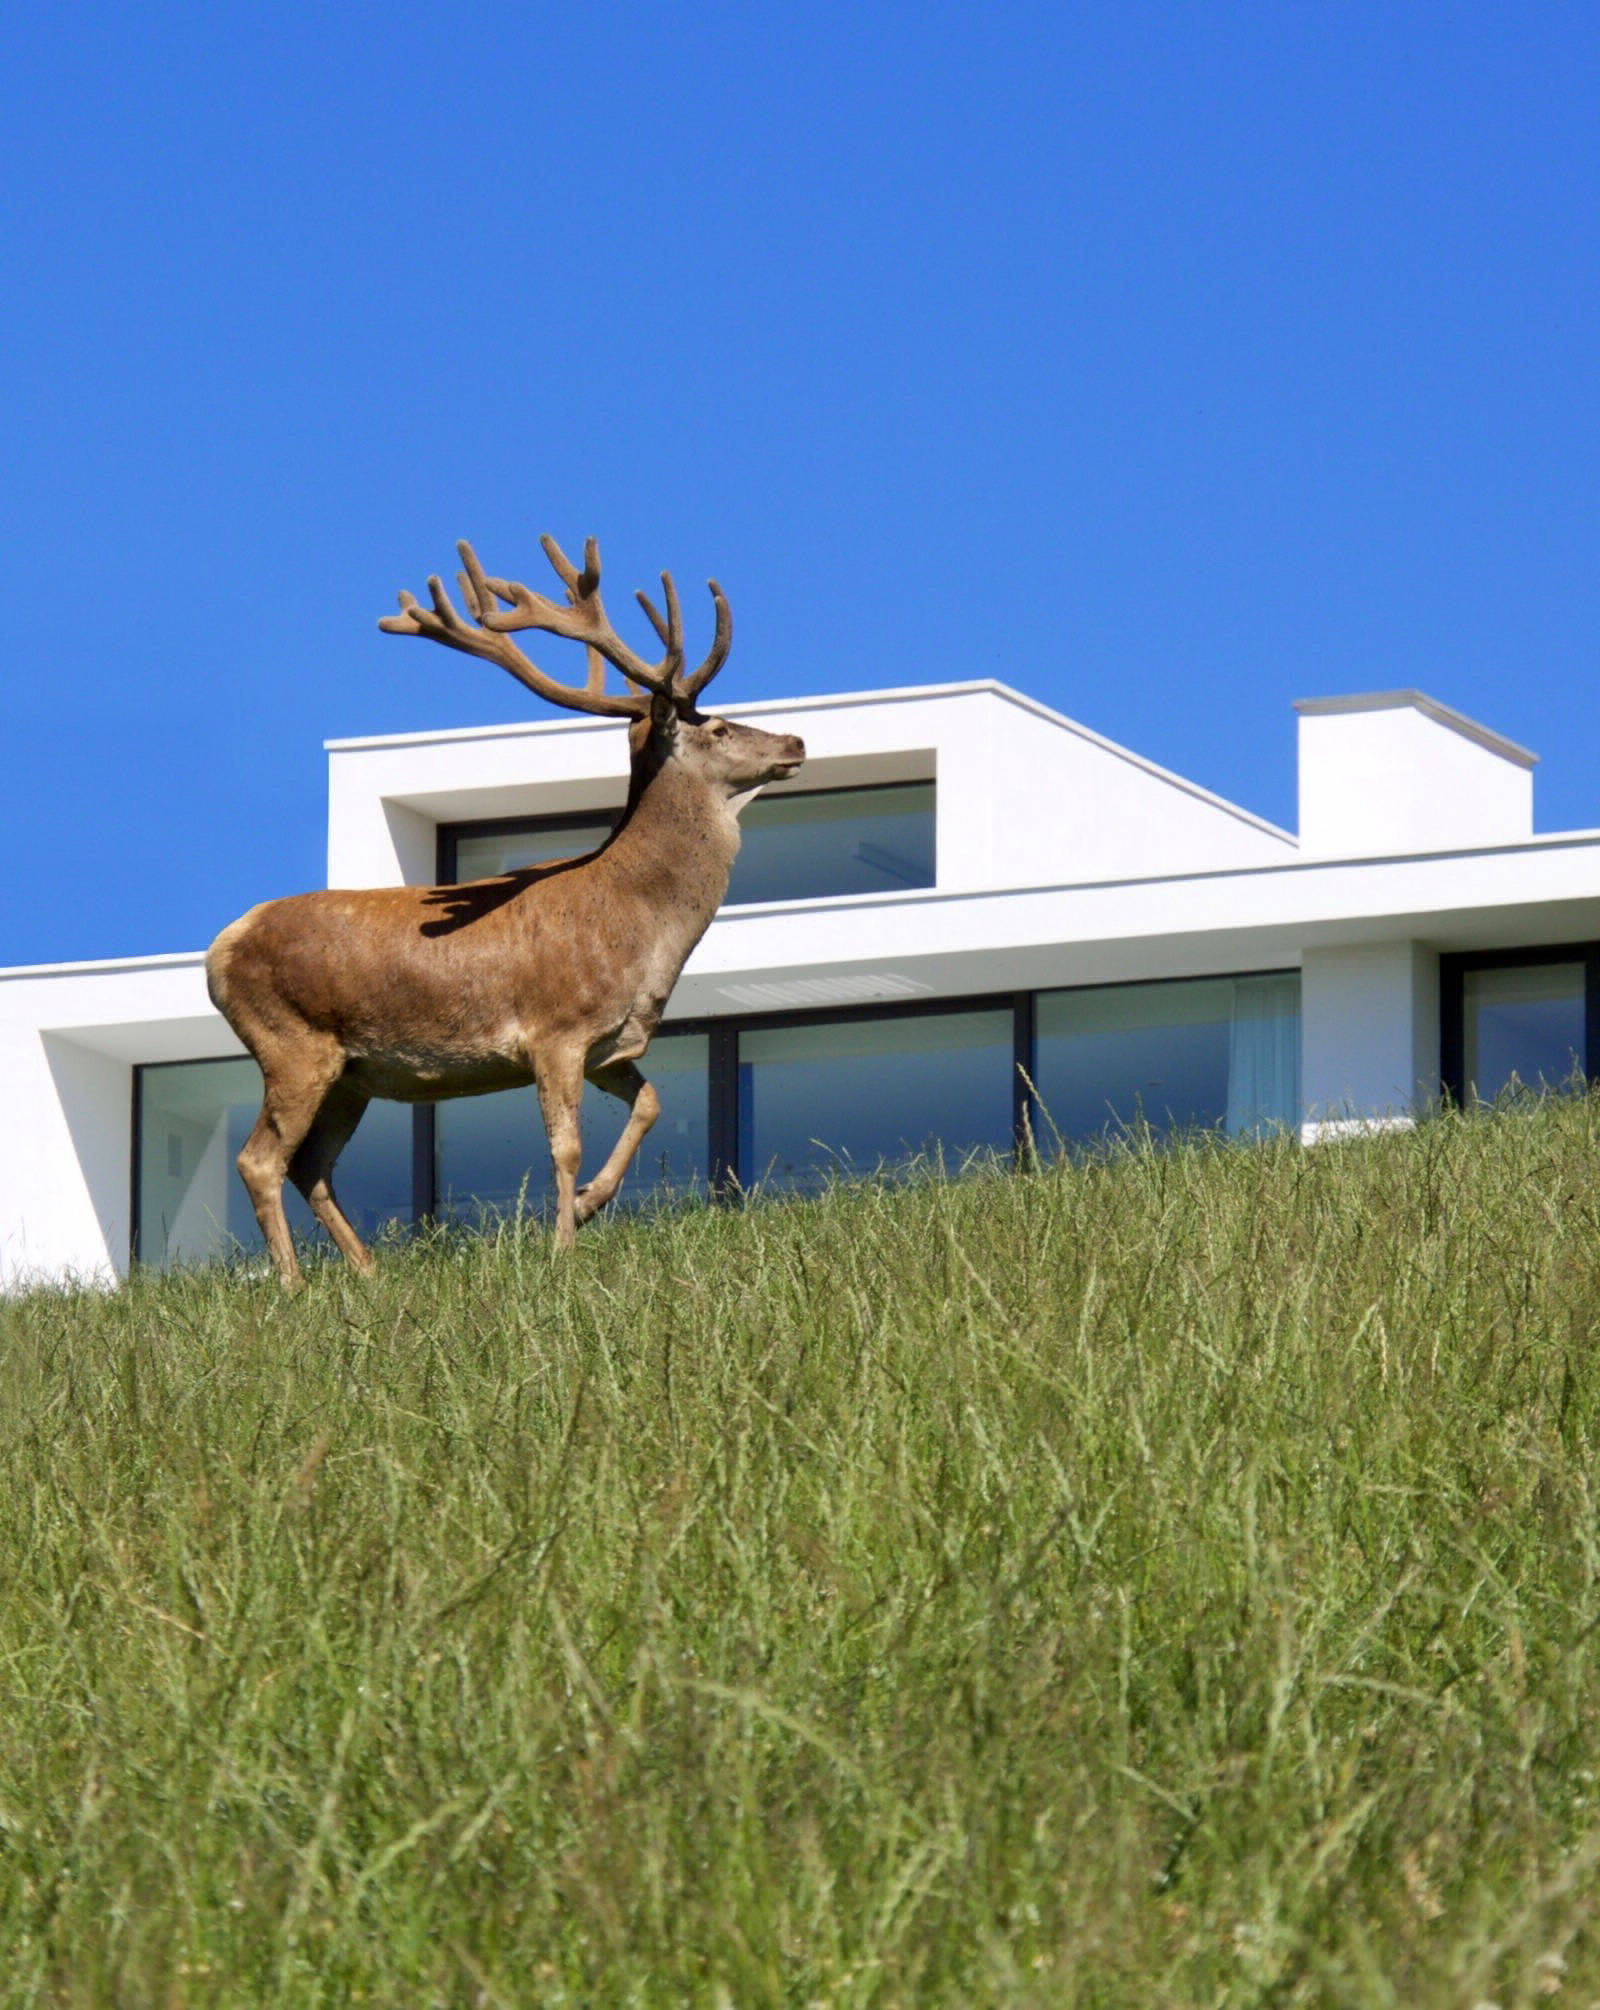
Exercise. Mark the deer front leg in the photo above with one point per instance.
(622, 1080)
(560, 1082)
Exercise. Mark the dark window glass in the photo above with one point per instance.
(193, 1208)
(492, 1157)
(857, 1095)
(835, 841)
(481, 855)
(1211, 1053)
(813, 846)
(1522, 1026)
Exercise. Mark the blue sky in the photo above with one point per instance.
(1170, 362)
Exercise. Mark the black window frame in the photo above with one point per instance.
(1454, 966)
(450, 835)
(722, 1076)
(136, 1128)
(722, 1070)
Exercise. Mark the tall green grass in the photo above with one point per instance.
(1169, 1579)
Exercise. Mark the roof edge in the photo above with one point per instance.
(1544, 841)
(1430, 708)
(1141, 761)
(897, 694)
(101, 966)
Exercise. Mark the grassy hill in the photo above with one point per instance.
(1174, 1579)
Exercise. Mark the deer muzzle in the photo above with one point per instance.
(790, 758)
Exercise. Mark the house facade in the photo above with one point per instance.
(967, 920)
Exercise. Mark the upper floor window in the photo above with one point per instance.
(816, 845)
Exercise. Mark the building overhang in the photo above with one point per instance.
(1124, 931)
(880, 949)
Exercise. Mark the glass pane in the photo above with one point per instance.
(193, 1119)
(852, 1097)
(835, 841)
(492, 1154)
(1216, 1053)
(1264, 1055)
(805, 847)
(486, 856)
(1522, 1026)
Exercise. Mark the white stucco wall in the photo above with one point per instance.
(1396, 772)
(1069, 807)
(69, 1038)
(1369, 1033)
(1025, 797)
(64, 1186)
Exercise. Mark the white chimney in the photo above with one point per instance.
(1395, 771)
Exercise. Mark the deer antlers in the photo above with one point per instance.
(501, 606)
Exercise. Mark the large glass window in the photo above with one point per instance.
(1522, 1025)
(487, 854)
(835, 841)
(491, 1155)
(799, 1102)
(855, 1095)
(812, 846)
(1215, 1053)
(192, 1206)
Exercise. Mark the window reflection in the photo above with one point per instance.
(485, 855)
(1206, 1054)
(830, 842)
(816, 845)
(491, 1156)
(829, 1096)
(192, 1204)
(1522, 1026)
(851, 1097)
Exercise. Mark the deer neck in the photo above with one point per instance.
(676, 845)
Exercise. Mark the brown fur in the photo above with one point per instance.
(546, 975)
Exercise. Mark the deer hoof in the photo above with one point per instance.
(589, 1200)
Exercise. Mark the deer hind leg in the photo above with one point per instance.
(560, 1081)
(622, 1080)
(297, 1081)
(311, 1168)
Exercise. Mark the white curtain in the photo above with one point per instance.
(1264, 1055)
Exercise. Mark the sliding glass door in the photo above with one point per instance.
(791, 1100)
(192, 1117)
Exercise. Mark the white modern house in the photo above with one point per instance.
(961, 895)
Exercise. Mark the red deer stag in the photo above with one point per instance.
(545, 975)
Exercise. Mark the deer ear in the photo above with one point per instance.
(662, 711)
